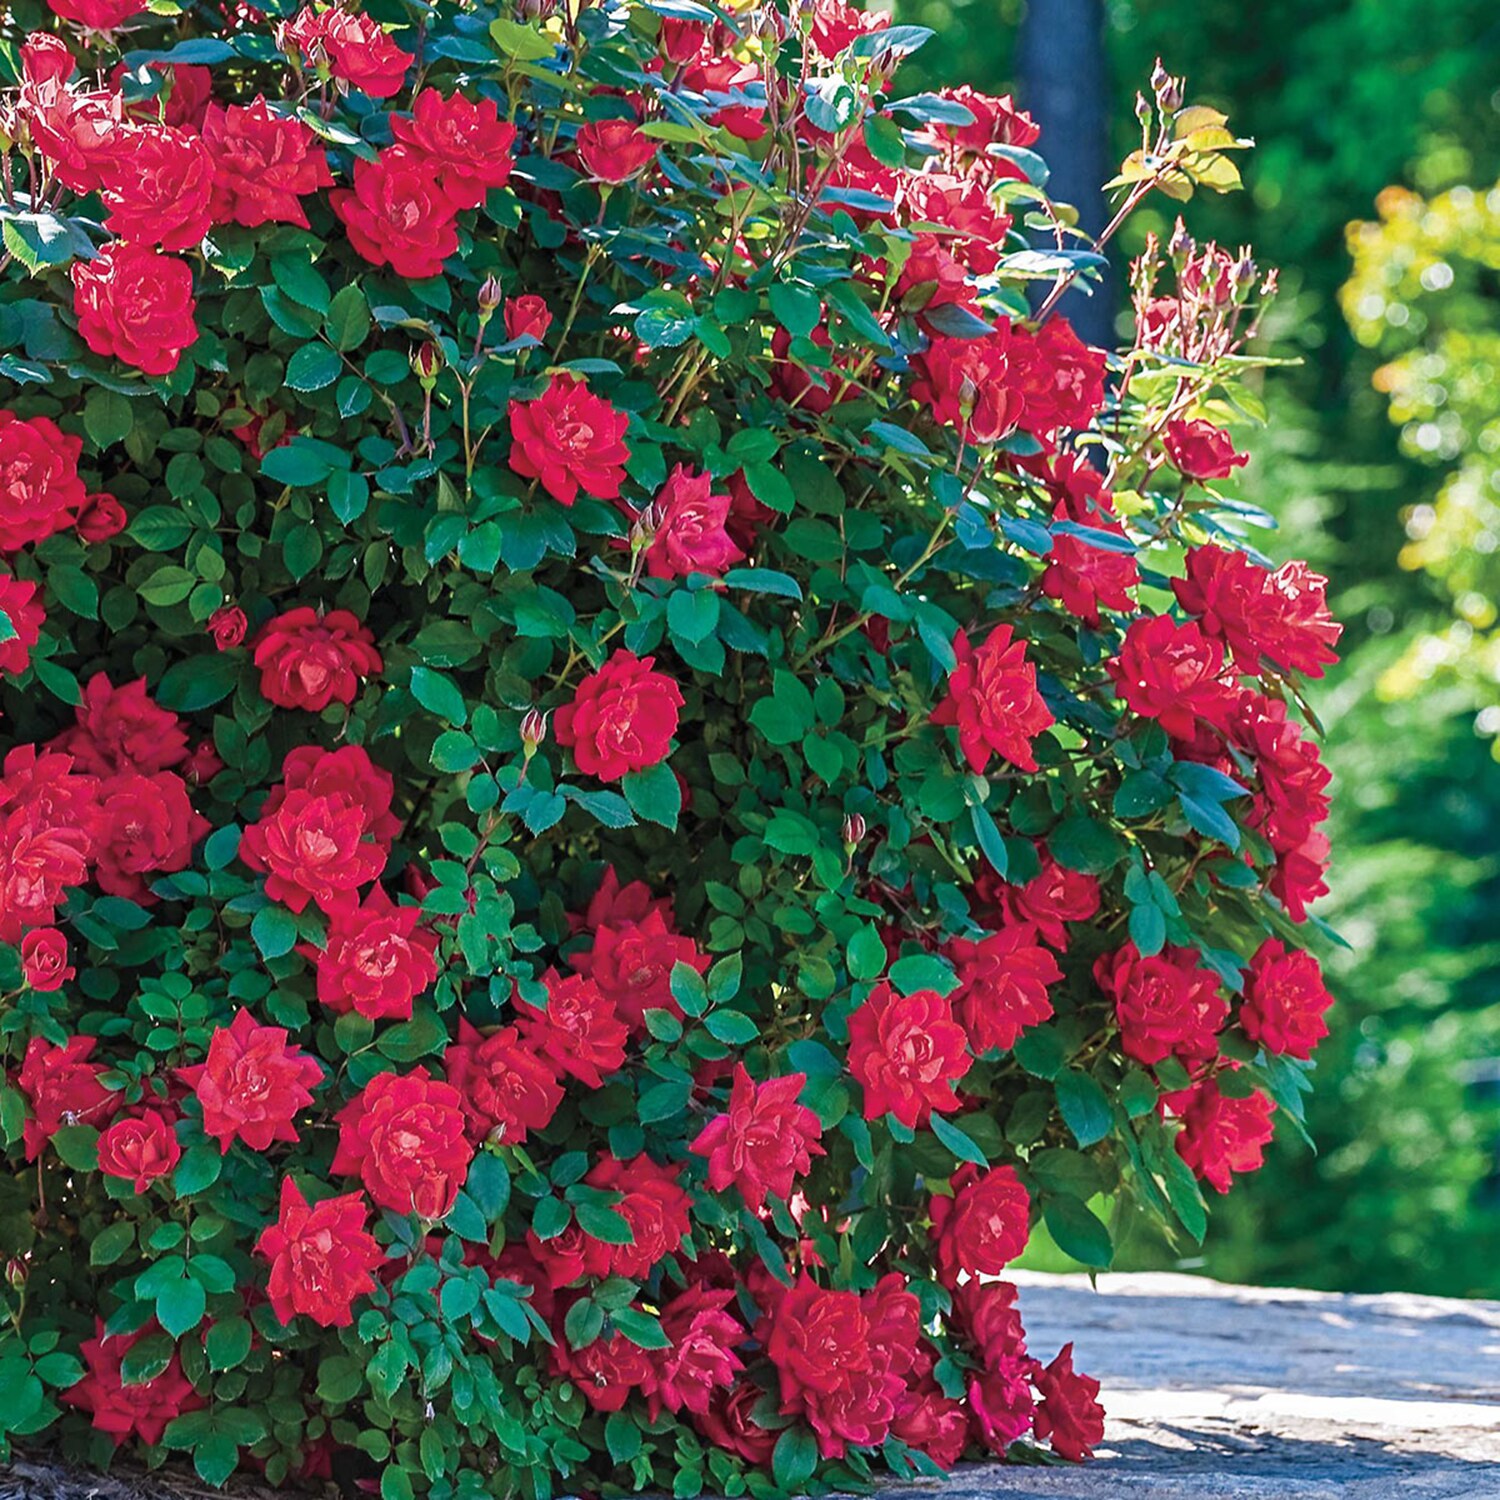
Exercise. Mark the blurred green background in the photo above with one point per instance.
(1381, 460)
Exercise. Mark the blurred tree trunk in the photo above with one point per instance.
(1063, 83)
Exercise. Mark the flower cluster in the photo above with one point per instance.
(609, 789)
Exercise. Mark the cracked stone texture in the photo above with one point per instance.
(1260, 1393)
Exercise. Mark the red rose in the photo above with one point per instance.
(996, 121)
(984, 1226)
(404, 1136)
(729, 1422)
(40, 491)
(325, 831)
(1280, 616)
(1284, 1001)
(614, 151)
(202, 765)
(579, 1034)
(264, 163)
(355, 47)
(43, 854)
(765, 1141)
(148, 825)
(1003, 981)
(569, 439)
(986, 1315)
(44, 960)
(141, 1409)
(1221, 1135)
(526, 318)
(963, 382)
(321, 1257)
(251, 1084)
(397, 215)
(136, 306)
(1069, 1414)
(681, 40)
(20, 605)
(309, 660)
(606, 1371)
(227, 625)
(1164, 1004)
(906, 1052)
(1059, 379)
(1200, 450)
(123, 729)
(63, 1088)
(505, 1089)
(810, 387)
(465, 142)
(96, 15)
(140, 1147)
(1083, 573)
(613, 904)
(688, 522)
(993, 699)
(160, 191)
(79, 131)
(837, 26)
(931, 1422)
(561, 1257)
(818, 1339)
(652, 1204)
(1172, 673)
(961, 205)
(717, 77)
(101, 518)
(700, 1358)
(622, 717)
(1051, 899)
(376, 959)
(858, 1411)
(632, 965)
(183, 98)
(1001, 1405)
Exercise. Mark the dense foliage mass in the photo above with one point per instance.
(620, 770)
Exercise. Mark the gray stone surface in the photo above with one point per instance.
(1261, 1393)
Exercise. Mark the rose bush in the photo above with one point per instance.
(621, 766)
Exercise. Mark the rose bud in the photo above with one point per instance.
(427, 363)
(527, 317)
(614, 151)
(533, 730)
(44, 960)
(491, 295)
(855, 829)
(227, 626)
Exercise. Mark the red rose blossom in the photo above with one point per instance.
(964, 383)
(579, 1033)
(505, 1089)
(309, 660)
(1051, 899)
(1069, 1414)
(1221, 1134)
(1003, 980)
(79, 131)
(1285, 1000)
(62, 1086)
(607, 1371)
(376, 959)
(264, 164)
(1002, 1407)
(148, 825)
(700, 1358)
(465, 143)
(614, 151)
(622, 717)
(44, 960)
(49, 823)
(140, 1147)
(984, 1226)
(906, 1052)
(993, 699)
(252, 1083)
(818, 1338)
(1165, 1005)
(136, 306)
(321, 1257)
(21, 606)
(398, 215)
(101, 518)
(160, 191)
(96, 15)
(40, 491)
(140, 1409)
(765, 1141)
(185, 92)
(355, 47)
(729, 1422)
(653, 1204)
(1059, 379)
(1174, 674)
(570, 440)
(123, 729)
(1200, 450)
(227, 626)
(632, 965)
(526, 317)
(688, 528)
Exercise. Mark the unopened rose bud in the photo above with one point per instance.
(647, 524)
(1181, 245)
(968, 397)
(855, 829)
(1142, 108)
(491, 295)
(16, 1272)
(533, 731)
(1170, 98)
(1243, 272)
(533, 10)
(1159, 76)
(426, 363)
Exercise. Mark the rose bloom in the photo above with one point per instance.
(906, 1052)
(729, 1422)
(101, 518)
(136, 306)
(376, 959)
(1164, 1004)
(20, 605)
(358, 51)
(526, 317)
(818, 1338)
(653, 1204)
(404, 1136)
(1281, 616)
(859, 1411)
(79, 131)
(160, 191)
(1200, 450)
(931, 1422)
(62, 1086)
(309, 660)
(728, 75)
(632, 965)
(505, 1089)
(622, 717)
(996, 121)
(44, 960)
(607, 1372)
(984, 1226)
(139, 1147)
(398, 215)
(613, 904)
(40, 491)
(141, 1409)
(960, 204)
(1059, 379)
(148, 825)
(1003, 980)
(700, 1358)
(1069, 1415)
(690, 535)
(465, 142)
(1285, 1000)
(227, 626)
(1174, 674)
(570, 440)
(985, 1313)
(837, 26)
(1220, 1134)
(321, 1257)
(561, 1257)
(96, 15)
(1001, 1405)
(122, 729)
(964, 383)
(252, 1083)
(764, 1142)
(41, 859)
(264, 164)
(614, 151)
(993, 699)
(1083, 576)
(579, 1034)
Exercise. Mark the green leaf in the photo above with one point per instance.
(107, 417)
(990, 842)
(797, 308)
(199, 1169)
(111, 1243)
(77, 1146)
(604, 1224)
(610, 808)
(199, 682)
(313, 367)
(640, 1328)
(340, 1379)
(786, 716)
(866, 954)
(439, 695)
(622, 1437)
(75, 590)
(180, 1306)
(1085, 1106)
(794, 1458)
(693, 613)
(274, 930)
(957, 1142)
(1078, 1231)
(227, 1343)
(654, 794)
(732, 1027)
(347, 322)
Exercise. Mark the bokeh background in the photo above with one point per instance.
(1373, 185)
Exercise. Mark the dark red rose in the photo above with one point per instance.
(765, 1141)
(526, 317)
(1174, 674)
(655, 1206)
(376, 959)
(101, 518)
(160, 191)
(1285, 1000)
(20, 605)
(148, 825)
(227, 625)
(264, 164)
(309, 660)
(607, 1371)
(906, 1052)
(964, 383)
(40, 491)
(614, 151)
(1164, 1005)
(569, 439)
(465, 143)
(183, 98)
(62, 1086)
(579, 1034)
(985, 1224)
(398, 215)
(1200, 450)
(993, 700)
(354, 47)
(818, 1339)
(730, 1422)
(136, 306)
(1069, 1414)
(931, 1422)
(1051, 899)
(1059, 379)
(1001, 1405)
(96, 15)
(79, 131)
(123, 729)
(140, 1147)
(141, 1409)
(700, 1359)
(505, 1089)
(1003, 980)
(1221, 1134)
(44, 960)
(632, 965)
(321, 1257)
(688, 532)
(622, 717)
